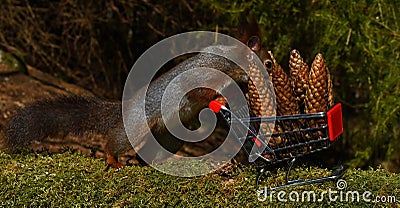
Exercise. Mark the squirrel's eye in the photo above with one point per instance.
(268, 64)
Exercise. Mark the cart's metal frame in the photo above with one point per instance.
(290, 137)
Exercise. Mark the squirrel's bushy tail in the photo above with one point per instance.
(67, 114)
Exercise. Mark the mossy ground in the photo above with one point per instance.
(70, 179)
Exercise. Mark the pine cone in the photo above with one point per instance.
(317, 89)
(299, 75)
(330, 91)
(260, 100)
(285, 99)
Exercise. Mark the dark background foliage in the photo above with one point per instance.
(95, 43)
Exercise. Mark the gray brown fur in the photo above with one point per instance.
(72, 114)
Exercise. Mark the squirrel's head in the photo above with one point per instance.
(249, 34)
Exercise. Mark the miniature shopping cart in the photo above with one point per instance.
(288, 138)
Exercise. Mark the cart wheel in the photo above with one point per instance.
(338, 171)
(260, 176)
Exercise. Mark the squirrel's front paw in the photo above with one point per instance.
(112, 161)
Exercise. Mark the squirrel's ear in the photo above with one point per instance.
(249, 33)
(254, 43)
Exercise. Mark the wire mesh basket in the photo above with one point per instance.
(287, 138)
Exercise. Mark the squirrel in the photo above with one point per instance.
(79, 114)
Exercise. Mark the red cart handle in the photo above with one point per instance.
(216, 106)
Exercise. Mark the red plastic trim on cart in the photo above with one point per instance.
(335, 123)
(257, 142)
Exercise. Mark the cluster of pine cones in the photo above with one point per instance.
(311, 87)
(306, 90)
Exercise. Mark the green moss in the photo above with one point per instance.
(11, 62)
(69, 179)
